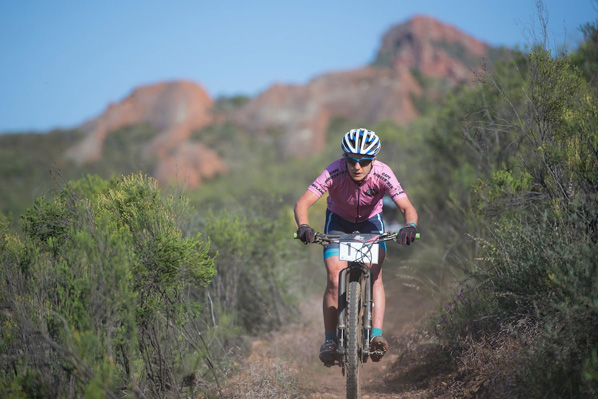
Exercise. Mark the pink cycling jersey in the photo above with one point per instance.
(356, 202)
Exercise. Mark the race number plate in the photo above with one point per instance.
(352, 251)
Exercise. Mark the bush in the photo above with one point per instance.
(252, 246)
(533, 281)
(94, 297)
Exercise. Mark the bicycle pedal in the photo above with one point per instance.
(376, 356)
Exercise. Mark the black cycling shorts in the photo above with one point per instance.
(337, 225)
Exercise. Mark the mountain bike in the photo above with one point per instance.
(354, 326)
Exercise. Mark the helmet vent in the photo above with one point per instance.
(360, 141)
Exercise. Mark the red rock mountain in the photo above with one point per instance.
(174, 109)
(430, 46)
(381, 91)
(384, 90)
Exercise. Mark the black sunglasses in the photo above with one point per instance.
(362, 161)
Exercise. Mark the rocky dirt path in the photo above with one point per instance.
(297, 347)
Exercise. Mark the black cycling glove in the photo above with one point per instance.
(306, 234)
(407, 234)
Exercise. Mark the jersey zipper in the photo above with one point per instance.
(359, 199)
(358, 202)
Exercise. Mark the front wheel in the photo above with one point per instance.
(354, 330)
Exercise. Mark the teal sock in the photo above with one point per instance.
(376, 332)
(330, 336)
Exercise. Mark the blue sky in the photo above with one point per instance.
(62, 62)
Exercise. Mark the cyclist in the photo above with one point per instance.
(356, 185)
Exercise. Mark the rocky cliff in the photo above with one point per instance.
(435, 49)
(174, 109)
(382, 91)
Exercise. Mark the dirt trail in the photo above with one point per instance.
(298, 345)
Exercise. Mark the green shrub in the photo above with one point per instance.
(533, 282)
(255, 276)
(95, 295)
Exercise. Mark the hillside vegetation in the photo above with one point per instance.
(516, 169)
(114, 287)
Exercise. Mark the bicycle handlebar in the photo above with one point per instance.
(325, 239)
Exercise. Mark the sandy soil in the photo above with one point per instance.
(298, 345)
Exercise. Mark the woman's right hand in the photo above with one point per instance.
(306, 234)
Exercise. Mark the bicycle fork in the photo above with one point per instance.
(355, 271)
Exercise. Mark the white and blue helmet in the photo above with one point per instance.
(360, 141)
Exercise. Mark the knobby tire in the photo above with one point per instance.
(354, 331)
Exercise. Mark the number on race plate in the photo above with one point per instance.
(352, 251)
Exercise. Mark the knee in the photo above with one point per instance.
(377, 284)
(332, 282)
(377, 277)
(333, 267)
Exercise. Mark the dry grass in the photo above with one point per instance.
(488, 367)
(262, 378)
(485, 368)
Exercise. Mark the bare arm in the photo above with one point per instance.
(407, 209)
(303, 203)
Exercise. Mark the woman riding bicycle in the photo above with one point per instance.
(356, 184)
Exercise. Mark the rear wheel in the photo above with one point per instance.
(354, 330)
